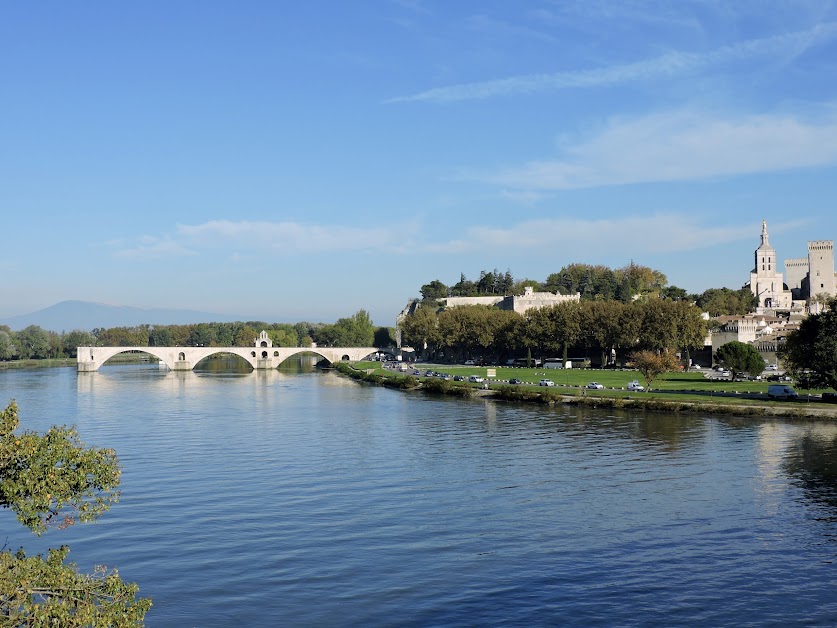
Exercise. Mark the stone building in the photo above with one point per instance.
(814, 275)
(519, 303)
(766, 281)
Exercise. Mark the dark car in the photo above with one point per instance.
(829, 397)
(514, 380)
(459, 378)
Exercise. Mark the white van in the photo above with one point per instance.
(781, 391)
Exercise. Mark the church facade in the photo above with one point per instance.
(804, 279)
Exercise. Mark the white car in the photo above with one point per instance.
(546, 382)
(475, 379)
(595, 386)
(635, 386)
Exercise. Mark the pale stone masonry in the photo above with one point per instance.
(766, 282)
(520, 303)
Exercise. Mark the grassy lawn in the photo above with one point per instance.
(691, 386)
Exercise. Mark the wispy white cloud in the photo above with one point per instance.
(288, 238)
(678, 146)
(579, 238)
(263, 237)
(671, 64)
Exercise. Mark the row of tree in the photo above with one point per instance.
(357, 330)
(601, 328)
(596, 283)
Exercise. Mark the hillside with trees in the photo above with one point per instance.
(599, 329)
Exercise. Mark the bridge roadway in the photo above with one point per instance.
(185, 358)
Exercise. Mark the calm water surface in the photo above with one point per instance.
(304, 499)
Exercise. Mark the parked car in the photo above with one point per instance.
(772, 367)
(514, 380)
(635, 386)
(459, 378)
(781, 391)
(829, 397)
(470, 363)
(475, 379)
(595, 386)
(546, 382)
(416, 372)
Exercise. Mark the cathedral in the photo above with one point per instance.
(804, 278)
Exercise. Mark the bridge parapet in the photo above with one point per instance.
(185, 358)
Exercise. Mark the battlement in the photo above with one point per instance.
(821, 245)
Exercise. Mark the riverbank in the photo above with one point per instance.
(737, 405)
(37, 364)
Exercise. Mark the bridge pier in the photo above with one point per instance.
(261, 357)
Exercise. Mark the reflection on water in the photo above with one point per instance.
(297, 497)
(811, 459)
(230, 363)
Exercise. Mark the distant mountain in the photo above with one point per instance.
(70, 315)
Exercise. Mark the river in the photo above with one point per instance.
(300, 498)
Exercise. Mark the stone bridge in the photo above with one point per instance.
(185, 358)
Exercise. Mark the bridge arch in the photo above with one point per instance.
(185, 358)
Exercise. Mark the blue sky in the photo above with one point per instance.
(302, 160)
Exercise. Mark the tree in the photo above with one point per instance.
(384, 337)
(78, 338)
(160, 336)
(53, 479)
(355, 331)
(245, 337)
(434, 291)
(7, 346)
(810, 352)
(739, 357)
(652, 364)
(420, 330)
(283, 337)
(673, 293)
(726, 302)
(33, 342)
(124, 337)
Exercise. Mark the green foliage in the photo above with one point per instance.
(355, 331)
(726, 302)
(51, 476)
(124, 336)
(77, 338)
(810, 353)
(33, 342)
(37, 591)
(740, 357)
(654, 363)
(589, 326)
(384, 337)
(7, 345)
(53, 479)
(434, 290)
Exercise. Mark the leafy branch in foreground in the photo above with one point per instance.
(53, 479)
(48, 592)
